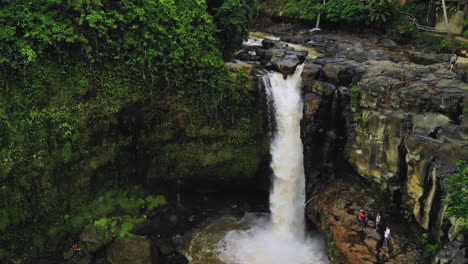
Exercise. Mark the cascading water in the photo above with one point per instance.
(282, 239)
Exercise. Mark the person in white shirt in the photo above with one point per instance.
(386, 236)
(378, 218)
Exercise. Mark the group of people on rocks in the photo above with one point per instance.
(378, 220)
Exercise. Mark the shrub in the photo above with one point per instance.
(356, 97)
(232, 20)
(456, 187)
(380, 11)
(348, 11)
(403, 31)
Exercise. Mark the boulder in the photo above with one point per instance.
(428, 58)
(310, 73)
(130, 249)
(269, 43)
(90, 238)
(285, 64)
(248, 56)
(176, 258)
(319, 88)
(338, 74)
(311, 104)
(452, 253)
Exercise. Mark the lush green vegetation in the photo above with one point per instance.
(465, 32)
(456, 186)
(232, 20)
(354, 13)
(404, 32)
(93, 90)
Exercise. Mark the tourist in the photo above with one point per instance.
(386, 236)
(362, 217)
(453, 62)
(378, 218)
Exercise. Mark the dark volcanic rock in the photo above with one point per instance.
(176, 258)
(310, 73)
(285, 64)
(269, 43)
(338, 74)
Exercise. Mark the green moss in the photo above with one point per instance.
(209, 160)
(153, 202)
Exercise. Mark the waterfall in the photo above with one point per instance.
(282, 238)
(288, 193)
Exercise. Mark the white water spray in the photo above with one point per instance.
(282, 239)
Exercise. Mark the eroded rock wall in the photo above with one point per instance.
(411, 135)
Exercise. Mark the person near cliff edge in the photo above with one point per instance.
(386, 236)
(453, 62)
(378, 218)
(362, 217)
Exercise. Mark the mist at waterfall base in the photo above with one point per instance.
(278, 238)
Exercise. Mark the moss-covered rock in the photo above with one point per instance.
(130, 249)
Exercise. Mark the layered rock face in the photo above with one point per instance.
(405, 123)
(410, 134)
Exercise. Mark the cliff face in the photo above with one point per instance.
(403, 117)
(411, 135)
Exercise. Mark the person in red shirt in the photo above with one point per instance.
(362, 217)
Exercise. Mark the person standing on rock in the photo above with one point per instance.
(378, 218)
(386, 236)
(453, 62)
(362, 217)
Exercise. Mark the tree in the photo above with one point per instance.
(232, 20)
(457, 192)
(445, 16)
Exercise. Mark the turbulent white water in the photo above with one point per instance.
(282, 239)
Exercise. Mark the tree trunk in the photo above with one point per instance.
(444, 8)
(317, 24)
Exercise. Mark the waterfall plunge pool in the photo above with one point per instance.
(280, 237)
(208, 244)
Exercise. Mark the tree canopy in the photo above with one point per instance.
(457, 192)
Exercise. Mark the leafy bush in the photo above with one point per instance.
(380, 11)
(347, 11)
(419, 10)
(356, 97)
(233, 19)
(456, 187)
(403, 31)
(304, 9)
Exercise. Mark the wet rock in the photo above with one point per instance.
(337, 74)
(310, 73)
(90, 238)
(268, 54)
(452, 253)
(320, 88)
(248, 56)
(176, 258)
(301, 54)
(311, 104)
(285, 64)
(429, 58)
(130, 249)
(269, 43)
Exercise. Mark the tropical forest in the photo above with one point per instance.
(234, 132)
